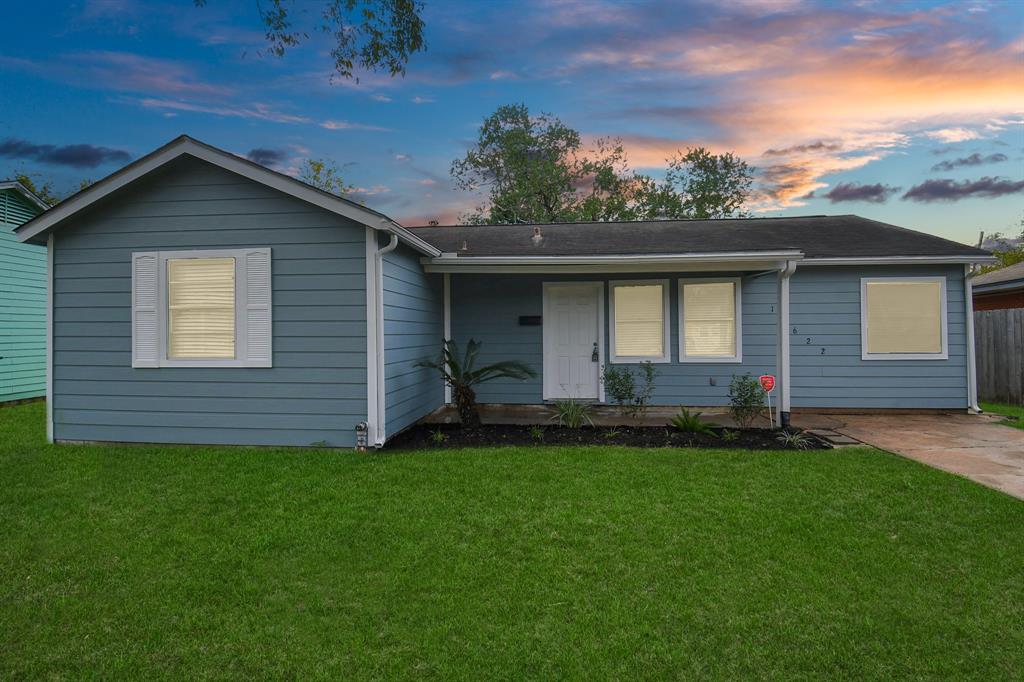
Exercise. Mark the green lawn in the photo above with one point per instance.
(1014, 412)
(161, 562)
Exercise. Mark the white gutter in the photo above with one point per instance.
(899, 260)
(667, 259)
(782, 350)
(972, 368)
(379, 426)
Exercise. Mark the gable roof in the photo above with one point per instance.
(36, 229)
(1009, 277)
(29, 195)
(821, 238)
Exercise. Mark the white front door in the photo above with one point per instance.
(573, 340)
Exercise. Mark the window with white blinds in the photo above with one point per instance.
(201, 308)
(639, 328)
(903, 318)
(709, 314)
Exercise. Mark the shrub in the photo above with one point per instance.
(621, 384)
(537, 433)
(438, 437)
(689, 422)
(746, 399)
(572, 413)
(729, 435)
(795, 440)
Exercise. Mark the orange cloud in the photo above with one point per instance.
(825, 91)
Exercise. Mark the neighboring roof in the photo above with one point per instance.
(15, 186)
(1010, 277)
(816, 237)
(37, 228)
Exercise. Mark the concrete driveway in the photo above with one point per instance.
(974, 446)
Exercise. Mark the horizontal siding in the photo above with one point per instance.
(22, 305)
(827, 368)
(316, 390)
(487, 308)
(413, 329)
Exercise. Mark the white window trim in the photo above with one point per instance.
(738, 292)
(241, 284)
(943, 322)
(666, 327)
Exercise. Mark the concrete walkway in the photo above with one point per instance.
(974, 446)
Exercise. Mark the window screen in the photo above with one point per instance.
(201, 308)
(904, 316)
(709, 319)
(639, 320)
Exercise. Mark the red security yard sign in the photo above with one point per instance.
(768, 383)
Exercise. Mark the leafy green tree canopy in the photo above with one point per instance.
(1007, 252)
(44, 189)
(369, 34)
(324, 175)
(535, 169)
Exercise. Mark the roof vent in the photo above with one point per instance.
(465, 246)
(537, 237)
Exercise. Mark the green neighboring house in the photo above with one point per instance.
(22, 298)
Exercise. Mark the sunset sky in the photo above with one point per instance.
(911, 113)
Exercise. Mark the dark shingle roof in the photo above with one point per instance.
(1002, 276)
(816, 236)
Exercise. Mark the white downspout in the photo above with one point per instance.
(972, 367)
(378, 256)
(782, 351)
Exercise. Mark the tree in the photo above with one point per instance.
(529, 166)
(324, 175)
(461, 373)
(369, 34)
(535, 169)
(1007, 252)
(44, 190)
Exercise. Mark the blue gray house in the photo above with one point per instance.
(196, 297)
(22, 298)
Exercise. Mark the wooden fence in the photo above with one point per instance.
(999, 344)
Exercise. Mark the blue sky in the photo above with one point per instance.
(911, 113)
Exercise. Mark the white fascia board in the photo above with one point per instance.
(16, 186)
(996, 287)
(229, 162)
(612, 263)
(899, 260)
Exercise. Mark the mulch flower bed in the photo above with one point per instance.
(425, 436)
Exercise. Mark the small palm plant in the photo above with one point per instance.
(689, 422)
(459, 372)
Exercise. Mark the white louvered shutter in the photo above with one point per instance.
(145, 311)
(258, 318)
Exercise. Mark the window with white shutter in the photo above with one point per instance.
(202, 308)
(903, 318)
(639, 328)
(709, 320)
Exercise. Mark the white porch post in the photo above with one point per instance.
(447, 326)
(782, 349)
